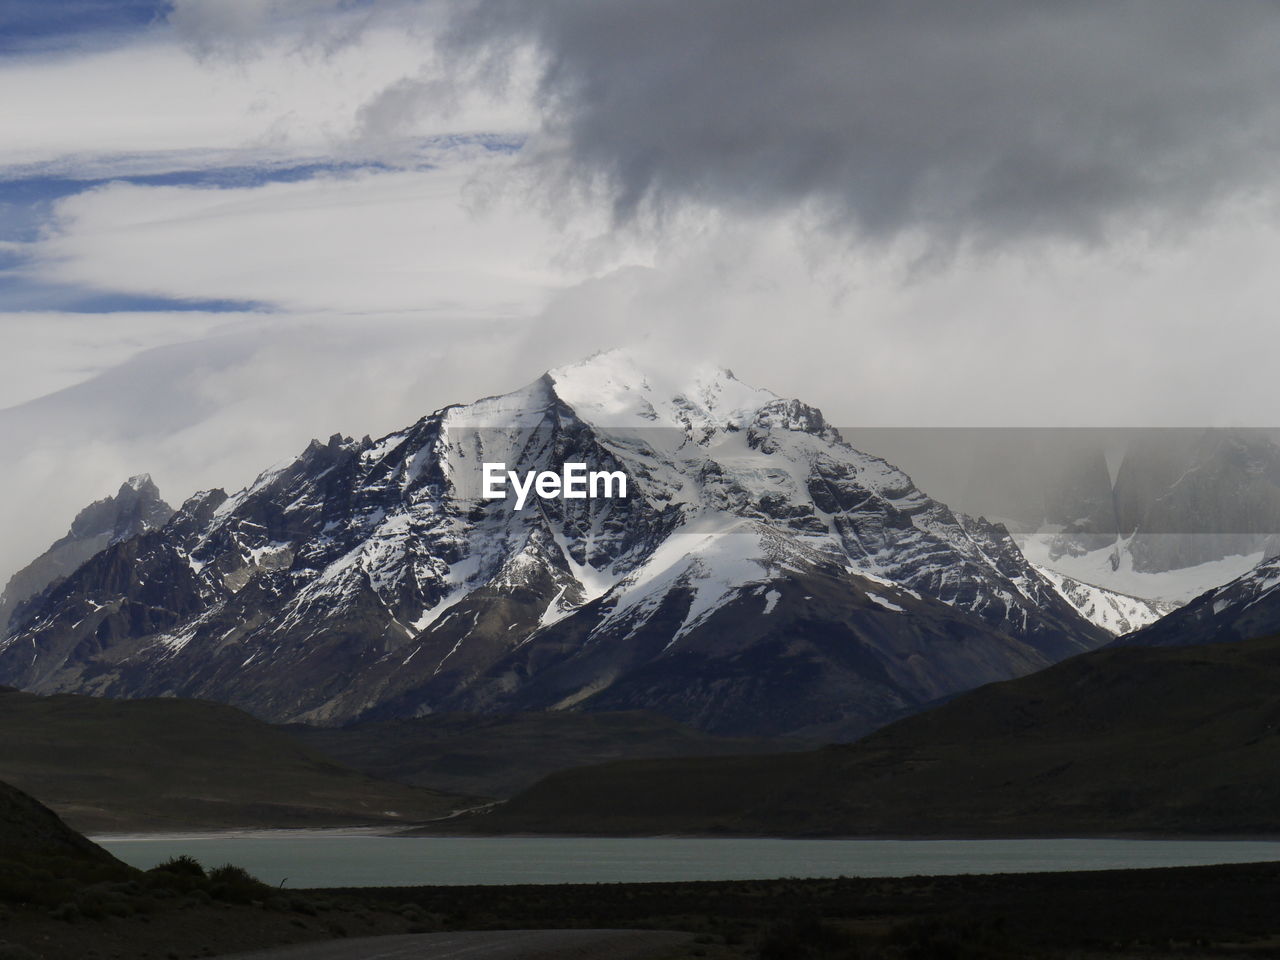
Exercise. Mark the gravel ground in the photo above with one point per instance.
(487, 945)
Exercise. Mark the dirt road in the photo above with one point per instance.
(487, 945)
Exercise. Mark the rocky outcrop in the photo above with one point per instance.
(135, 508)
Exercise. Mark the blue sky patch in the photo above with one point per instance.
(26, 203)
(27, 196)
(27, 25)
(20, 293)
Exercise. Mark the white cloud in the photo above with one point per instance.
(215, 409)
(47, 352)
(427, 241)
(1168, 334)
(239, 23)
(152, 105)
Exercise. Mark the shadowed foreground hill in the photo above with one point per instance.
(63, 897)
(1124, 740)
(108, 765)
(31, 833)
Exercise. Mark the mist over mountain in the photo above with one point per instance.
(1158, 513)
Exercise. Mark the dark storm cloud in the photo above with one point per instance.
(983, 120)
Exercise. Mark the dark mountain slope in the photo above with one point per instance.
(170, 764)
(500, 754)
(1127, 740)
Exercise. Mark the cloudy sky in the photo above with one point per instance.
(227, 226)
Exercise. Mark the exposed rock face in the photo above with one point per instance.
(136, 508)
(1224, 501)
(762, 576)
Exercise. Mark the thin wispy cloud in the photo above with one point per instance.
(360, 242)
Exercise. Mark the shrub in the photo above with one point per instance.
(67, 912)
(235, 885)
(956, 940)
(412, 912)
(182, 866)
(807, 938)
(16, 882)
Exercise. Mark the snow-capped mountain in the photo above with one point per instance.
(1247, 608)
(761, 575)
(1116, 613)
(1114, 568)
(136, 508)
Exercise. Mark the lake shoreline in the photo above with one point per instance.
(425, 832)
(347, 858)
(234, 833)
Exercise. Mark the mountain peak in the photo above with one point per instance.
(635, 389)
(136, 508)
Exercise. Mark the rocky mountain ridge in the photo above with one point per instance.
(763, 577)
(135, 508)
